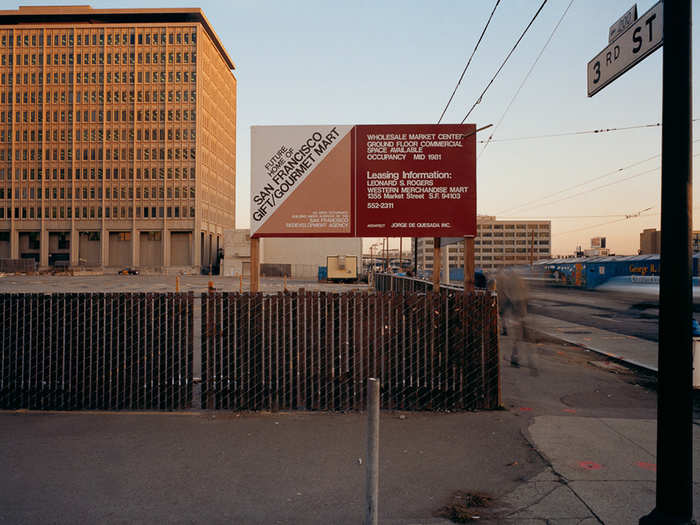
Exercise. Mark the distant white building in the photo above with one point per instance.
(297, 258)
(498, 243)
(598, 248)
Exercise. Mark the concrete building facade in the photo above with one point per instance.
(117, 137)
(649, 241)
(296, 258)
(498, 244)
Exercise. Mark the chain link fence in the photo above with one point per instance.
(301, 350)
(104, 351)
(315, 350)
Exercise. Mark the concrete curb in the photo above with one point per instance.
(606, 353)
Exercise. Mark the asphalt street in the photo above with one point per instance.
(627, 314)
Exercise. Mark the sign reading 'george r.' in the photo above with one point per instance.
(636, 43)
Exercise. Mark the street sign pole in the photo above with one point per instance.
(674, 496)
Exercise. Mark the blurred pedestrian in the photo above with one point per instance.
(512, 297)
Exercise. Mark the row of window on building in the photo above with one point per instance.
(96, 96)
(96, 173)
(95, 59)
(95, 154)
(512, 226)
(98, 77)
(95, 212)
(96, 135)
(98, 38)
(95, 115)
(92, 192)
(510, 234)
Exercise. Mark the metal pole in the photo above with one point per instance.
(674, 491)
(436, 264)
(372, 471)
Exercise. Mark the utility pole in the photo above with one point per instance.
(674, 443)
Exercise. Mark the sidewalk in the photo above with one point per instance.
(602, 469)
(632, 350)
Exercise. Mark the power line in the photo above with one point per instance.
(539, 217)
(532, 67)
(556, 201)
(580, 184)
(606, 174)
(633, 216)
(469, 61)
(589, 227)
(572, 133)
(478, 100)
(596, 188)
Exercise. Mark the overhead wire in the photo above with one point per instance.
(556, 201)
(483, 32)
(574, 133)
(527, 76)
(533, 217)
(580, 184)
(589, 227)
(478, 100)
(626, 217)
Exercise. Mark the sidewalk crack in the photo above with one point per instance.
(653, 454)
(562, 479)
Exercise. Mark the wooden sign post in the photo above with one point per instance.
(468, 264)
(254, 265)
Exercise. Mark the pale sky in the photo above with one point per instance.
(384, 62)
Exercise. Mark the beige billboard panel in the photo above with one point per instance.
(285, 158)
(321, 203)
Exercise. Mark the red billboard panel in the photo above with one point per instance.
(415, 180)
(363, 181)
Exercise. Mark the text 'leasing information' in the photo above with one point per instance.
(416, 180)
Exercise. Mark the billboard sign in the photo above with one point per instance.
(363, 181)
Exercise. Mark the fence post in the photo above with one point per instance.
(372, 471)
(436, 264)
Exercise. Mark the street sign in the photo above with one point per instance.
(623, 23)
(639, 40)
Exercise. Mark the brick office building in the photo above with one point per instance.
(117, 137)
